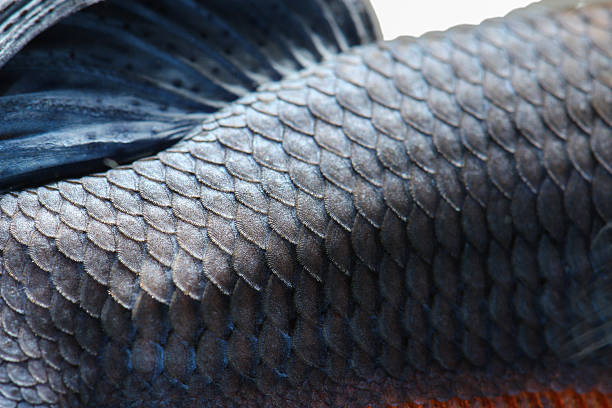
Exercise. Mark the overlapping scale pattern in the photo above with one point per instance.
(410, 220)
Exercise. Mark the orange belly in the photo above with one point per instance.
(568, 398)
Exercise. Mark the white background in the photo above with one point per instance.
(415, 17)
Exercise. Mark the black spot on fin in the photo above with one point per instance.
(590, 339)
(124, 79)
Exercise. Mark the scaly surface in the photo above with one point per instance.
(409, 220)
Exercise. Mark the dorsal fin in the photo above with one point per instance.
(125, 78)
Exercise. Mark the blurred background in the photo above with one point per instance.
(415, 17)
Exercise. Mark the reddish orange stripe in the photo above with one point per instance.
(545, 399)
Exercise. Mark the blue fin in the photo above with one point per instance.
(126, 78)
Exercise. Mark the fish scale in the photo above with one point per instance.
(413, 219)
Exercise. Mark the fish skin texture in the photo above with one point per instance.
(410, 220)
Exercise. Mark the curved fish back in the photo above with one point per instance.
(409, 220)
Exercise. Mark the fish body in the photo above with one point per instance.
(409, 220)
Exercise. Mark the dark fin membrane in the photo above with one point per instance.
(590, 339)
(126, 78)
(22, 20)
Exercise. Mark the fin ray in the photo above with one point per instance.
(591, 337)
(151, 68)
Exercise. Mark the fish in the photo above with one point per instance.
(328, 220)
(156, 71)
